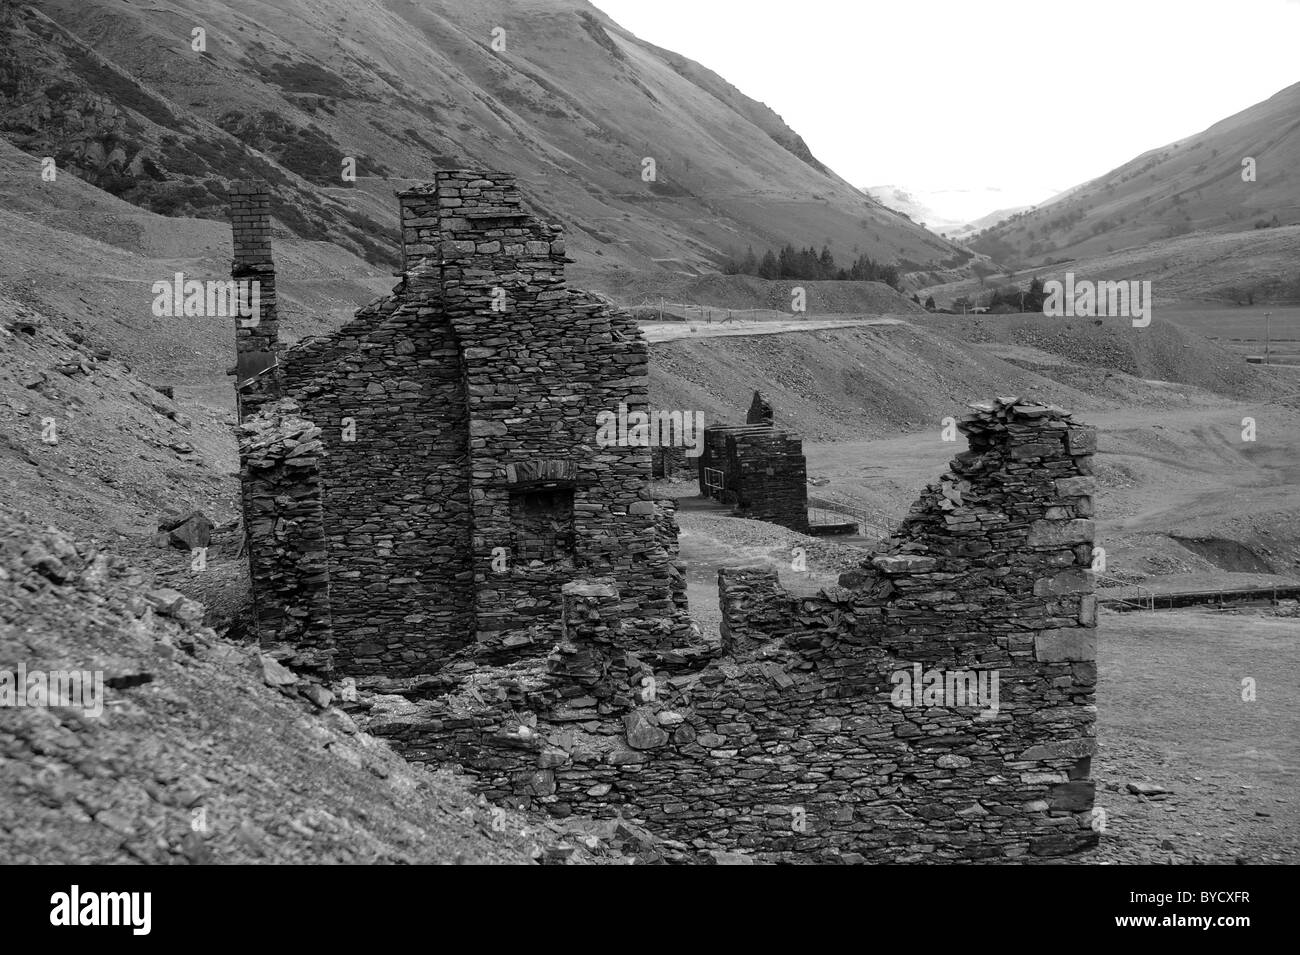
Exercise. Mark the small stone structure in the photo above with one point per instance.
(435, 478)
(667, 461)
(761, 468)
(760, 411)
(937, 706)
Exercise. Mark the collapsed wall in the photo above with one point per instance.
(936, 706)
(280, 486)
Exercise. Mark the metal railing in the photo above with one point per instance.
(1141, 598)
(818, 516)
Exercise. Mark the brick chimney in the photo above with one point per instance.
(257, 339)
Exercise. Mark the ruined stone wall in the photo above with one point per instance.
(280, 456)
(462, 484)
(541, 362)
(793, 739)
(387, 392)
(670, 461)
(765, 473)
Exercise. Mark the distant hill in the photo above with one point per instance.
(1190, 186)
(1260, 266)
(983, 222)
(908, 203)
(919, 206)
(571, 102)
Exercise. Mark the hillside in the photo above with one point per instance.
(572, 104)
(882, 380)
(1190, 186)
(748, 292)
(207, 751)
(914, 207)
(1183, 501)
(1260, 265)
(89, 260)
(969, 229)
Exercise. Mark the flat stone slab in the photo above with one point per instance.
(904, 564)
(1062, 749)
(1066, 645)
(1061, 533)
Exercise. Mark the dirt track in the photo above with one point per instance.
(674, 331)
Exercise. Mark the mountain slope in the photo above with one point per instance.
(1192, 186)
(573, 104)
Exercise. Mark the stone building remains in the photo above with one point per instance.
(427, 477)
(938, 705)
(758, 468)
(424, 497)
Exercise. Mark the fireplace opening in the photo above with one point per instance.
(542, 519)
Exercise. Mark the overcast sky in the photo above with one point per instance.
(982, 104)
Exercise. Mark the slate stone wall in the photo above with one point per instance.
(462, 483)
(793, 739)
(284, 526)
(765, 475)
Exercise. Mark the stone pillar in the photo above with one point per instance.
(257, 337)
(590, 661)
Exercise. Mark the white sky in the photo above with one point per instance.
(988, 103)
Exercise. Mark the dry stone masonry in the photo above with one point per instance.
(459, 481)
(256, 337)
(938, 705)
(762, 469)
(427, 506)
(281, 495)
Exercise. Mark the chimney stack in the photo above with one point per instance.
(257, 338)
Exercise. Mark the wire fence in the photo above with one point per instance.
(833, 512)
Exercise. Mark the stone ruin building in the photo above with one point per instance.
(385, 464)
(427, 477)
(758, 468)
(786, 739)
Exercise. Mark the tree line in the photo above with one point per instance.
(791, 263)
(1006, 298)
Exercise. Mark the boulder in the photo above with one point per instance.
(188, 532)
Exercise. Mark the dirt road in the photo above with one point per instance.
(673, 331)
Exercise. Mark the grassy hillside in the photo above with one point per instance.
(286, 91)
(1191, 186)
(1225, 267)
(88, 261)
